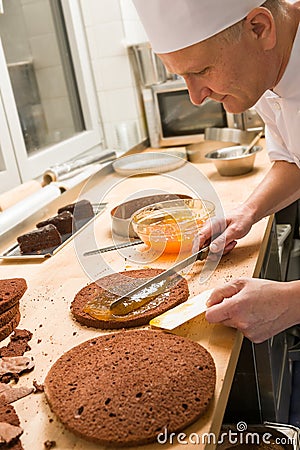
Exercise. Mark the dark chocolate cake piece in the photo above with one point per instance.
(126, 388)
(39, 239)
(63, 222)
(80, 210)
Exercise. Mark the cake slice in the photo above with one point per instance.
(80, 210)
(9, 327)
(39, 239)
(8, 315)
(9, 416)
(63, 222)
(11, 291)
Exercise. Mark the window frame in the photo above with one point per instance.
(32, 166)
(9, 174)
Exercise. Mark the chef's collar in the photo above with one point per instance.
(175, 24)
(290, 79)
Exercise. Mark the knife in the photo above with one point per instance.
(113, 247)
(182, 313)
(128, 299)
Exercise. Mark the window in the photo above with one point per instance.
(47, 90)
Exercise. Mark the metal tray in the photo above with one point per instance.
(13, 252)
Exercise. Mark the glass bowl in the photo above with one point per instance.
(172, 226)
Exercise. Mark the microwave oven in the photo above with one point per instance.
(172, 119)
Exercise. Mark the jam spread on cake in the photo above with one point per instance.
(144, 300)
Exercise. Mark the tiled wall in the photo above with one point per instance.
(110, 26)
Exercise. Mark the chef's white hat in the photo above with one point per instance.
(175, 24)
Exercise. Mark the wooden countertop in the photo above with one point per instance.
(53, 283)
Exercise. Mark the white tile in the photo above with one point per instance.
(129, 11)
(51, 82)
(121, 105)
(58, 114)
(38, 18)
(26, 2)
(109, 39)
(116, 72)
(45, 51)
(134, 32)
(96, 12)
(12, 7)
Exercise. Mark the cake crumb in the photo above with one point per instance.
(38, 387)
(49, 444)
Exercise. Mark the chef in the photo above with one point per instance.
(242, 53)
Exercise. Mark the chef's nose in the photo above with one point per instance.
(198, 96)
(197, 92)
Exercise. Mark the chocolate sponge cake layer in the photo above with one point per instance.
(9, 327)
(177, 294)
(11, 291)
(8, 315)
(63, 222)
(9, 415)
(82, 209)
(39, 239)
(125, 388)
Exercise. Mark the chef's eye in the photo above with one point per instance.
(203, 72)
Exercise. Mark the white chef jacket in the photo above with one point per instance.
(280, 110)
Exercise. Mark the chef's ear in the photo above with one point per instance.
(261, 24)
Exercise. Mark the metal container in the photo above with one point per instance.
(232, 161)
(150, 68)
(234, 135)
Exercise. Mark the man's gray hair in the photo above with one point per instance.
(233, 33)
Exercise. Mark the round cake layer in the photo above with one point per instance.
(9, 327)
(126, 388)
(8, 315)
(11, 291)
(177, 294)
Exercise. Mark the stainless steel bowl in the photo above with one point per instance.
(231, 161)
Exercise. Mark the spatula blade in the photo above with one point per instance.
(183, 312)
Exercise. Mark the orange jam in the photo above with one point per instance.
(170, 235)
(144, 300)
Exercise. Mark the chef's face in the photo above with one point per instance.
(234, 73)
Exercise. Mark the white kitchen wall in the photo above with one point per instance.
(110, 25)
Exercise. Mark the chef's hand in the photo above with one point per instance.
(258, 308)
(236, 225)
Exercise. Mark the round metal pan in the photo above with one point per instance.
(121, 214)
